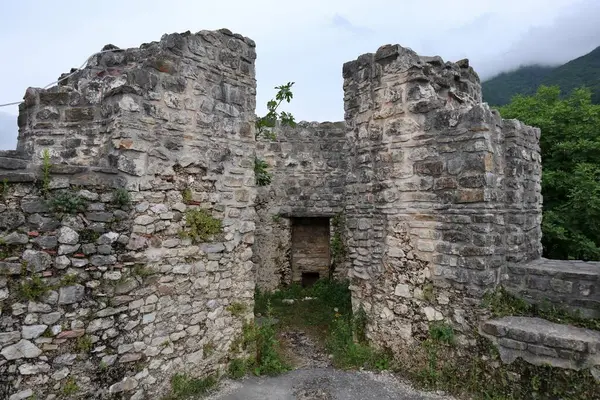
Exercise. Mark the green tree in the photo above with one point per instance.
(265, 127)
(570, 146)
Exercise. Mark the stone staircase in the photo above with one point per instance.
(541, 342)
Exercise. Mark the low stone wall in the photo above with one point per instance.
(574, 285)
(541, 342)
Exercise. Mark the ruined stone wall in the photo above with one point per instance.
(308, 164)
(427, 200)
(101, 297)
(574, 285)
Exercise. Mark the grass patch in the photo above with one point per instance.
(142, 271)
(186, 387)
(328, 318)
(260, 342)
(502, 303)
(238, 368)
(208, 349)
(68, 280)
(186, 194)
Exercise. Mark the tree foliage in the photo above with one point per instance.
(570, 146)
(265, 127)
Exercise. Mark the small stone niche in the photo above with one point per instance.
(311, 256)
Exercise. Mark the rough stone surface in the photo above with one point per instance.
(153, 121)
(572, 284)
(440, 193)
(22, 349)
(541, 342)
(308, 165)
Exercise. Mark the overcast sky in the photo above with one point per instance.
(303, 41)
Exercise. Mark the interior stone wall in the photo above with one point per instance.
(106, 299)
(308, 164)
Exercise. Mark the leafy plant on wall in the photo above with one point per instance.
(265, 127)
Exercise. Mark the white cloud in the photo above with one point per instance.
(303, 41)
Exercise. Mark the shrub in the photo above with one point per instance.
(201, 225)
(261, 175)
(67, 203)
(33, 288)
(121, 197)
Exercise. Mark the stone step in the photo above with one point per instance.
(539, 342)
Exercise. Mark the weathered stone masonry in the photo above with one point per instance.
(433, 194)
(437, 200)
(441, 202)
(131, 302)
(309, 164)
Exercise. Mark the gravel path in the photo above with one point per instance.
(322, 384)
(316, 379)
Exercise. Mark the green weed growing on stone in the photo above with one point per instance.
(67, 203)
(121, 197)
(185, 387)
(268, 360)
(261, 175)
(338, 249)
(70, 387)
(428, 292)
(208, 349)
(187, 195)
(265, 127)
(4, 189)
(33, 288)
(237, 309)
(238, 368)
(141, 270)
(84, 344)
(479, 374)
(259, 340)
(201, 225)
(88, 235)
(441, 332)
(68, 280)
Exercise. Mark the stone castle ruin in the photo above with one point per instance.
(108, 262)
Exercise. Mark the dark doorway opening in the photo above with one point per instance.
(309, 278)
(310, 255)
